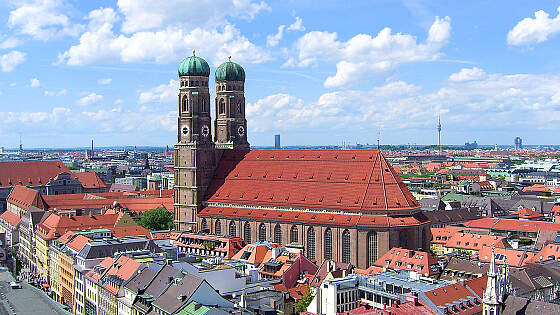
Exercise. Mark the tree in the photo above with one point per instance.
(157, 219)
(303, 303)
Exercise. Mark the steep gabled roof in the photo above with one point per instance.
(26, 197)
(11, 218)
(30, 173)
(353, 180)
(90, 180)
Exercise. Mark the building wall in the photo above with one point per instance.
(42, 256)
(416, 237)
(66, 277)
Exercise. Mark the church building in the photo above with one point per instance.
(345, 205)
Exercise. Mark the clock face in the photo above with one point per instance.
(241, 130)
(185, 130)
(205, 131)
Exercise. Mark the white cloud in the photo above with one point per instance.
(144, 15)
(493, 102)
(274, 39)
(533, 31)
(90, 99)
(42, 19)
(363, 55)
(34, 83)
(160, 94)
(104, 81)
(9, 42)
(467, 74)
(100, 43)
(297, 25)
(54, 93)
(10, 60)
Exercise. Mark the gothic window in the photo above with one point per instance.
(294, 235)
(195, 104)
(185, 104)
(239, 107)
(204, 224)
(232, 229)
(371, 248)
(328, 243)
(346, 246)
(247, 232)
(222, 106)
(278, 234)
(403, 239)
(218, 228)
(262, 232)
(311, 243)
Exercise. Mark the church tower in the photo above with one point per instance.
(230, 123)
(194, 159)
(496, 288)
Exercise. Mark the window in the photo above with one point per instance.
(371, 248)
(239, 107)
(222, 109)
(204, 224)
(328, 244)
(311, 243)
(247, 232)
(294, 237)
(232, 229)
(278, 234)
(262, 232)
(218, 228)
(185, 104)
(346, 246)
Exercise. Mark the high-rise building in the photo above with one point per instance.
(277, 142)
(518, 143)
(351, 205)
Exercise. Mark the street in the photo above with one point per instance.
(26, 300)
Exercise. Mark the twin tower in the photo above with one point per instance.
(196, 153)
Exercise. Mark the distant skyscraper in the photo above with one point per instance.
(518, 143)
(439, 132)
(277, 141)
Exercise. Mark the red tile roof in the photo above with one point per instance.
(476, 242)
(314, 217)
(11, 218)
(78, 242)
(26, 197)
(124, 231)
(123, 268)
(55, 225)
(550, 251)
(90, 180)
(30, 173)
(441, 235)
(406, 259)
(527, 214)
(508, 256)
(513, 225)
(360, 180)
(457, 298)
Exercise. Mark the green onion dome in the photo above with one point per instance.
(230, 71)
(194, 65)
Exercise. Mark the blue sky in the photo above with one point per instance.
(317, 72)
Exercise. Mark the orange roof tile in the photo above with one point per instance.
(550, 251)
(78, 242)
(470, 241)
(11, 218)
(525, 213)
(90, 180)
(406, 259)
(30, 173)
(26, 197)
(55, 224)
(360, 180)
(513, 225)
(508, 256)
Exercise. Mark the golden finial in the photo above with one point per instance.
(229, 58)
(193, 51)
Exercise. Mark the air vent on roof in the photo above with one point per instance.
(353, 157)
(321, 199)
(370, 157)
(339, 200)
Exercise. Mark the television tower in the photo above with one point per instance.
(439, 132)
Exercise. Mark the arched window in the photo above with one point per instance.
(403, 239)
(262, 232)
(203, 225)
(371, 248)
(195, 104)
(311, 243)
(346, 246)
(222, 108)
(247, 232)
(185, 104)
(232, 229)
(218, 228)
(294, 237)
(328, 243)
(277, 234)
(239, 107)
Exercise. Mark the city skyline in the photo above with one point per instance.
(79, 71)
